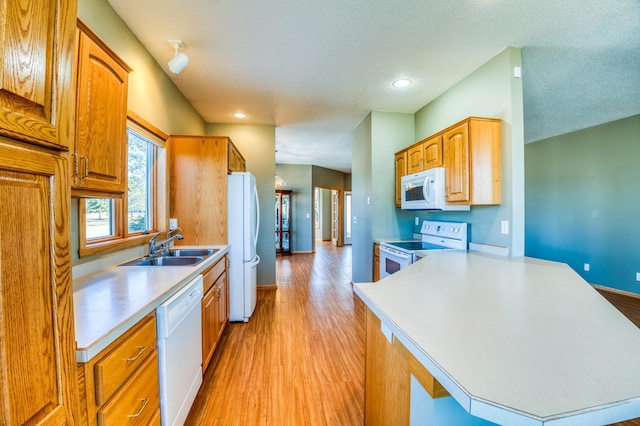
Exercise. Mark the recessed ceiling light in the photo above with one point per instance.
(240, 115)
(401, 83)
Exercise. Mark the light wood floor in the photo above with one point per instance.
(300, 360)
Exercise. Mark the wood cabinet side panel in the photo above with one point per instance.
(485, 173)
(387, 380)
(198, 188)
(400, 170)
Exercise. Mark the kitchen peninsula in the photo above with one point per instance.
(517, 341)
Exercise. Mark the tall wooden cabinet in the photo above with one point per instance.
(283, 221)
(198, 186)
(37, 345)
(100, 149)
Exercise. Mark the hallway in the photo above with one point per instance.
(300, 360)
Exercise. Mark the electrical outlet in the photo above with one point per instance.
(637, 276)
(504, 227)
(416, 221)
(587, 267)
(386, 331)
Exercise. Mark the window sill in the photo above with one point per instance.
(112, 245)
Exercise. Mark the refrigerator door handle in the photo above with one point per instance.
(255, 262)
(255, 196)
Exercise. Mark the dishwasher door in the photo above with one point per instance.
(179, 332)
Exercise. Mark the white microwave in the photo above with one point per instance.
(426, 191)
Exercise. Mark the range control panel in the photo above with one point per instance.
(453, 230)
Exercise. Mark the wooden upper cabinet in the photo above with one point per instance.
(456, 148)
(415, 161)
(37, 343)
(472, 161)
(432, 152)
(36, 71)
(401, 170)
(236, 161)
(100, 152)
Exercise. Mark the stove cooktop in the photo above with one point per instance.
(416, 245)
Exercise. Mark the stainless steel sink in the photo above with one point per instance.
(192, 252)
(165, 261)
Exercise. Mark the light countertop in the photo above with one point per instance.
(109, 302)
(516, 341)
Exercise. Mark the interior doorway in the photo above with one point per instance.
(328, 215)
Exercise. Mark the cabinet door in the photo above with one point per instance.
(456, 148)
(209, 319)
(415, 162)
(101, 118)
(36, 71)
(221, 300)
(37, 345)
(432, 152)
(401, 170)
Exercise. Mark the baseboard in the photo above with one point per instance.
(616, 291)
(302, 252)
(266, 286)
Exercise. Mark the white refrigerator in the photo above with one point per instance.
(244, 225)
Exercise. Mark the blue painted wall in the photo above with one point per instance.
(582, 198)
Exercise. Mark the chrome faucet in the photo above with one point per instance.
(163, 246)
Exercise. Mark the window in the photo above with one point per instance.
(107, 223)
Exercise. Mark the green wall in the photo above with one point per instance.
(257, 143)
(302, 179)
(374, 142)
(152, 94)
(583, 202)
(490, 91)
(299, 180)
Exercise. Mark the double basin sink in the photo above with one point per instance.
(175, 257)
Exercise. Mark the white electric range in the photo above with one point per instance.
(395, 255)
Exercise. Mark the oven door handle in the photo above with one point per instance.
(396, 253)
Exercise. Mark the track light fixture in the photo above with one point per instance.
(180, 60)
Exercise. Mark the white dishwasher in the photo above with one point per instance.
(179, 332)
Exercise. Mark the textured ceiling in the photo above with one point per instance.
(315, 68)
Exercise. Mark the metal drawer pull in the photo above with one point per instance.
(145, 401)
(141, 349)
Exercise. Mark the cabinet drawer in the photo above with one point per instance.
(138, 402)
(212, 274)
(112, 370)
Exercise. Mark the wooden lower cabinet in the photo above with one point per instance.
(376, 262)
(119, 386)
(215, 309)
(388, 370)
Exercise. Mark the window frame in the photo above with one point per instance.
(159, 205)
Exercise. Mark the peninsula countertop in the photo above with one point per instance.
(108, 302)
(516, 341)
